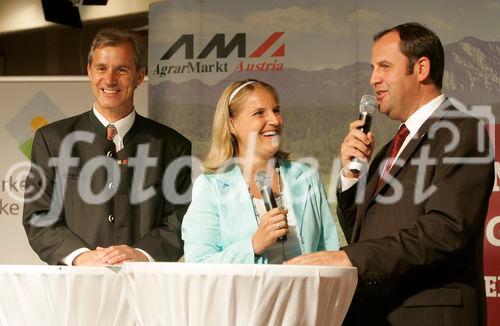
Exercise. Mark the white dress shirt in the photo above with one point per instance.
(122, 127)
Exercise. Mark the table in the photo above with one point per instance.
(62, 295)
(175, 294)
(233, 294)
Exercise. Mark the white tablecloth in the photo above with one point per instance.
(223, 294)
(54, 295)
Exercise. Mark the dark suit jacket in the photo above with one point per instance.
(420, 262)
(152, 225)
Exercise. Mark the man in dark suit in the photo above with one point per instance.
(108, 185)
(414, 221)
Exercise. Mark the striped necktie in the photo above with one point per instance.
(110, 132)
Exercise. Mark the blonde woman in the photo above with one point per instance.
(227, 221)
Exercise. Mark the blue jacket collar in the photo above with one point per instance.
(297, 186)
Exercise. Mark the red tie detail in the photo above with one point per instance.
(397, 142)
(110, 132)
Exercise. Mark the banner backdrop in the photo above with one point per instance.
(492, 243)
(317, 55)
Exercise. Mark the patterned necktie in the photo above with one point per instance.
(110, 131)
(397, 142)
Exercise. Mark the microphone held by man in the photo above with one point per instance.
(367, 107)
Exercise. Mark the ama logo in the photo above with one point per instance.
(218, 48)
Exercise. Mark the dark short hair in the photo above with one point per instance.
(418, 41)
(115, 37)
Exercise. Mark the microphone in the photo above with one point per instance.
(263, 181)
(367, 106)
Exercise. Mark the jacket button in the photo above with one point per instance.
(111, 219)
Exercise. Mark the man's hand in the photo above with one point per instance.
(88, 258)
(329, 258)
(356, 144)
(114, 255)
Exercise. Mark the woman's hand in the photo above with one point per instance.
(273, 225)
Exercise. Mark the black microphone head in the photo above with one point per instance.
(264, 183)
(262, 179)
(368, 104)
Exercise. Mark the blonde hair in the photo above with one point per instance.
(224, 145)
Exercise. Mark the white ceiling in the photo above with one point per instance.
(18, 15)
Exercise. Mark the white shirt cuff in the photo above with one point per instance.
(151, 260)
(345, 182)
(68, 260)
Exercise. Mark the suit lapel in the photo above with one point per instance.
(234, 191)
(371, 184)
(405, 156)
(133, 130)
(298, 189)
(233, 188)
(100, 145)
(375, 170)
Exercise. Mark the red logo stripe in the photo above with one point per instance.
(280, 52)
(267, 44)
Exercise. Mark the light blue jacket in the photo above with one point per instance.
(220, 222)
